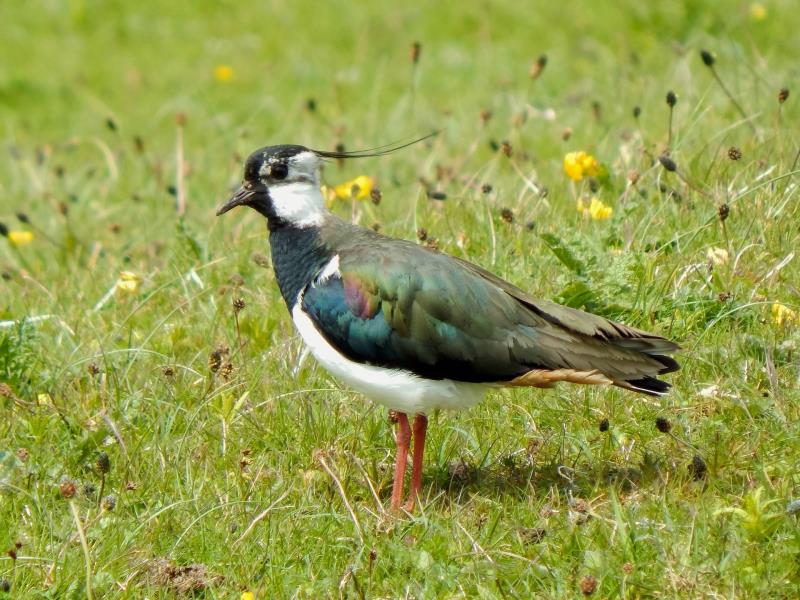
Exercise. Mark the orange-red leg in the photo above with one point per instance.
(403, 439)
(420, 428)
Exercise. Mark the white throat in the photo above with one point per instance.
(299, 203)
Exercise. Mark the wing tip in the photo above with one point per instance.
(646, 385)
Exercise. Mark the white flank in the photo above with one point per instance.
(394, 388)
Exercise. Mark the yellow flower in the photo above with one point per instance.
(596, 209)
(758, 12)
(223, 73)
(578, 165)
(717, 256)
(128, 281)
(355, 189)
(782, 314)
(248, 596)
(20, 238)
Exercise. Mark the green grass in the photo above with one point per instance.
(524, 494)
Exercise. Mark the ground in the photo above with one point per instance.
(158, 441)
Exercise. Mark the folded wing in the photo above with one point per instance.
(440, 317)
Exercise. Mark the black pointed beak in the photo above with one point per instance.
(241, 197)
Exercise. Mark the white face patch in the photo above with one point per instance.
(297, 198)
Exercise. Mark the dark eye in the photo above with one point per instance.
(278, 171)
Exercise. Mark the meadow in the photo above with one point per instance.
(162, 433)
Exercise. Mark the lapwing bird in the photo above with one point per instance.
(415, 329)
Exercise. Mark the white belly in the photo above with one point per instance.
(394, 388)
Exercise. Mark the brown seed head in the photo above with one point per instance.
(604, 425)
(416, 50)
(637, 112)
(597, 110)
(723, 210)
(734, 153)
(663, 424)
(783, 95)
(708, 58)
(507, 215)
(538, 66)
(566, 133)
(375, 196)
(260, 259)
(67, 487)
(238, 305)
(214, 361)
(672, 99)
(588, 585)
(698, 467)
(102, 463)
(422, 234)
(226, 370)
(486, 114)
(486, 188)
(93, 368)
(109, 503)
(505, 146)
(667, 163)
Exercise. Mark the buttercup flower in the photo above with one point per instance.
(223, 73)
(578, 165)
(355, 189)
(128, 281)
(783, 315)
(20, 238)
(595, 209)
(248, 596)
(758, 12)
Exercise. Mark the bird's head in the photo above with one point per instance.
(283, 182)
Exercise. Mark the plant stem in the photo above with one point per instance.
(85, 545)
(732, 98)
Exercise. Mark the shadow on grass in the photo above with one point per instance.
(458, 481)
